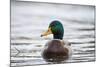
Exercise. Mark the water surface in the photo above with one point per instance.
(30, 19)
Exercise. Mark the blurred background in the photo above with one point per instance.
(30, 19)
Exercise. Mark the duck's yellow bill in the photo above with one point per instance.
(47, 32)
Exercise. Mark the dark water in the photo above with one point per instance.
(29, 20)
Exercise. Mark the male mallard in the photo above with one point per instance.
(56, 50)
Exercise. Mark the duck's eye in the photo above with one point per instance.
(53, 24)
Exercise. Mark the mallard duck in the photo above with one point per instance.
(56, 50)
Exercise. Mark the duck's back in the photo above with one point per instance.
(55, 51)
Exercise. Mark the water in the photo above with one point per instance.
(30, 19)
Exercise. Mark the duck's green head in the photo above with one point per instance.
(55, 28)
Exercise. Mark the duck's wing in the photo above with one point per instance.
(68, 46)
(66, 43)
